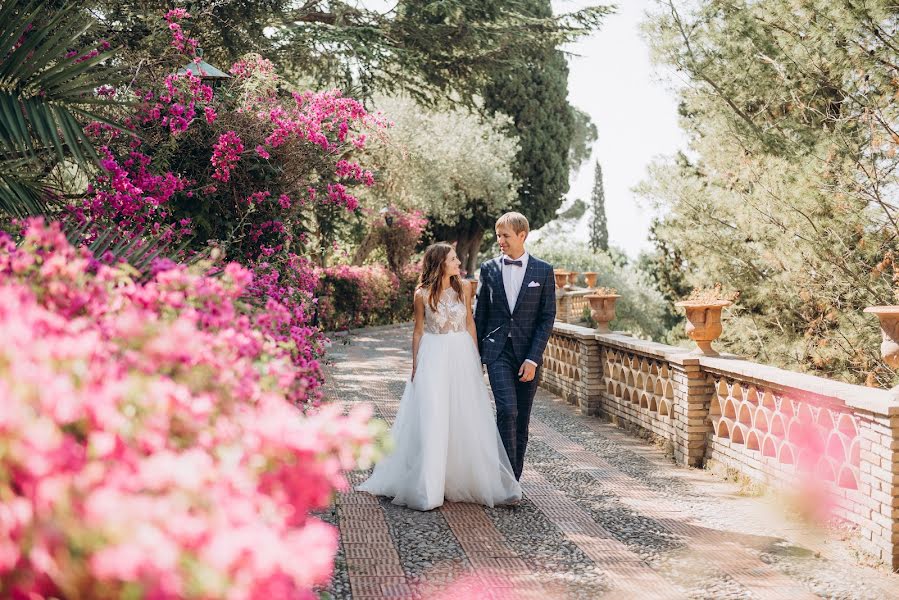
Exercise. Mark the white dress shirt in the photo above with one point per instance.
(513, 277)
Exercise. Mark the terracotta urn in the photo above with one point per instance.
(474, 286)
(590, 278)
(889, 330)
(704, 322)
(561, 276)
(602, 310)
(572, 277)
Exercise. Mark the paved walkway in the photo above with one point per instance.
(605, 515)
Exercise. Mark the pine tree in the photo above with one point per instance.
(599, 230)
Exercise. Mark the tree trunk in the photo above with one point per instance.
(369, 243)
(462, 245)
(474, 246)
(468, 243)
(467, 237)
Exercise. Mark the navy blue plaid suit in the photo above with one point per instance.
(530, 326)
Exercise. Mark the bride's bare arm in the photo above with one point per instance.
(418, 309)
(470, 318)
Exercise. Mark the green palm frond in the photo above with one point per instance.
(21, 195)
(46, 98)
(138, 251)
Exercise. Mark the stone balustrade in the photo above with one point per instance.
(769, 424)
(571, 303)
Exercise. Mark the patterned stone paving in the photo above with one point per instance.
(605, 515)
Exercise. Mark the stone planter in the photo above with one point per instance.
(602, 310)
(704, 322)
(889, 330)
(572, 277)
(590, 278)
(561, 276)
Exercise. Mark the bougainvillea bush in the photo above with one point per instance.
(262, 171)
(150, 445)
(254, 164)
(353, 296)
(399, 237)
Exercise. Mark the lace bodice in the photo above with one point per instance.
(451, 315)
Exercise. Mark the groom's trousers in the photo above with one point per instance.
(513, 404)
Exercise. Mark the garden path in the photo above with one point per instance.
(605, 515)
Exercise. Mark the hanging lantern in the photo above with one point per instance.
(212, 76)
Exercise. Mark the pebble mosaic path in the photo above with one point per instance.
(605, 515)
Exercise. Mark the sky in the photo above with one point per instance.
(611, 78)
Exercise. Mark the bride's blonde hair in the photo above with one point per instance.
(433, 267)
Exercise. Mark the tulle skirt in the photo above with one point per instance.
(445, 441)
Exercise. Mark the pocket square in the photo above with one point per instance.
(533, 284)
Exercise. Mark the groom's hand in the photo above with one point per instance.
(527, 371)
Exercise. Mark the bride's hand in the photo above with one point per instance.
(412, 377)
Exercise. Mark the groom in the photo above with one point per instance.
(514, 319)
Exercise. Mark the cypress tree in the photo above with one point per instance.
(599, 230)
(535, 95)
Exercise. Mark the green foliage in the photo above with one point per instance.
(574, 212)
(599, 230)
(432, 50)
(583, 136)
(350, 297)
(665, 269)
(641, 308)
(786, 197)
(535, 95)
(46, 99)
(451, 164)
(565, 222)
(140, 253)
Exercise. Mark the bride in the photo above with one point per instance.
(446, 444)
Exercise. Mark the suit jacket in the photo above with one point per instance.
(531, 323)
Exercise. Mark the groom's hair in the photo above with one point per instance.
(516, 221)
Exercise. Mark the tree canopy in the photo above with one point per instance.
(48, 97)
(452, 164)
(788, 191)
(431, 50)
(583, 136)
(535, 95)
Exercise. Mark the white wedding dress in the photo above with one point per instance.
(446, 445)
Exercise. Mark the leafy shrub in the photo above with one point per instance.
(399, 237)
(640, 308)
(257, 166)
(351, 296)
(149, 441)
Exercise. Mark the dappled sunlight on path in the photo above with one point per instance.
(605, 515)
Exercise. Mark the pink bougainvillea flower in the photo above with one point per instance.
(153, 431)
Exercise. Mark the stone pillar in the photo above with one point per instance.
(692, 401)
(591, 373)
(563, 306)
(572, 367)
(879, 485)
